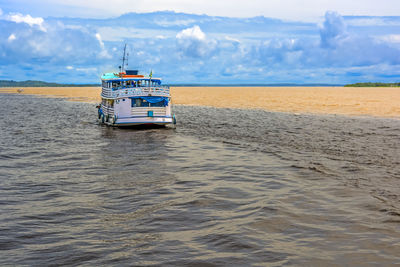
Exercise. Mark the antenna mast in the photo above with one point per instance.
(123, 59)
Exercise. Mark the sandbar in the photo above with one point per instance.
(369, 101)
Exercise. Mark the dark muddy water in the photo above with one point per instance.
(227, 187)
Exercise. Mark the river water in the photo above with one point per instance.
(227, 187)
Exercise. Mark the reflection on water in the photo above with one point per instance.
(220, 189)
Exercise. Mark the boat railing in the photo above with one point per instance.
(161, 90)
(106, 92)
(107, 110)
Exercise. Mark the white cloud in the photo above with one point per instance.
(58, 45)
(103, 52)
(12, 37)
(391, 38)
(28, 19)
(69, 68)
(192, 33)
(333, 29)
(98, 37)
(192, 42)
(228, 38)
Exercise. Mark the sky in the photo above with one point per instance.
(226, 42)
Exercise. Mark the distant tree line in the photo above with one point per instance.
(30, 83)
(373, 85)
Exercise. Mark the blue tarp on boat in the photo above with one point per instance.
(153, 99)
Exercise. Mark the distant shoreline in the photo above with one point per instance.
(369, 84)
(32, 83)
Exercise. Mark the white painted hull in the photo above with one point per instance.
(142, 121)
(135, 121)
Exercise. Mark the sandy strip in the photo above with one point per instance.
(381, 102)
(81, 94)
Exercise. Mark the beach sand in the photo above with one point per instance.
(82, 94)
(376, 101)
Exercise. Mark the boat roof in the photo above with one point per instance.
(123, 76)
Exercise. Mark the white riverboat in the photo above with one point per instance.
(130, 99)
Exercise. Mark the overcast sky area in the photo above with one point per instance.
(275, 41)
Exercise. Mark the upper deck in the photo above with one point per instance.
(122, 85)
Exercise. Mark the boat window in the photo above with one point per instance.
(116, 84)
(138, 102)
(158, 104)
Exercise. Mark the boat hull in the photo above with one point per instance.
(145, 121)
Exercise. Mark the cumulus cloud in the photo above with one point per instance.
(98, 37)
(192, 33)
(61, 46)
(352, 49)
(103, 53)
(192, 42)
(28, 19)
(332, 30)
(337, 49)
(12, 37)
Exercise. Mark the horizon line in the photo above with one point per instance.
(185, 84)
